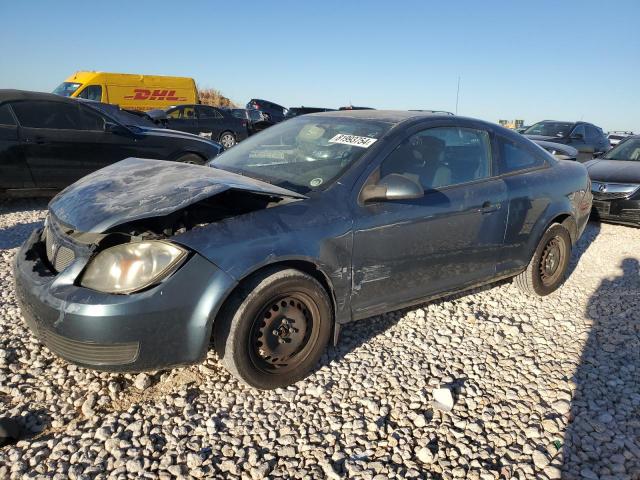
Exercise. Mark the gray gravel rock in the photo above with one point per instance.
(544, 388)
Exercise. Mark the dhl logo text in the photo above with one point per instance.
(145, 94)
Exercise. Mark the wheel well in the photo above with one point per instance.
(304, 266)
(184, 153)
(227, 131)
(568, 222)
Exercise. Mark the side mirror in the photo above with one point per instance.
(115, 128)
(393, 187)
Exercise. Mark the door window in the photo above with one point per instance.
(579, 130)
(6, 118)
(92, 92)
(92, 120)
(175, 113)
(514, 156)
(442, 156)
(56, 115)
(208, 113)
(592, 133)
(182, 113)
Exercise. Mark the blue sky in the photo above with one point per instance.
(566, 60)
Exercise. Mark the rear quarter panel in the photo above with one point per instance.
(535, 200)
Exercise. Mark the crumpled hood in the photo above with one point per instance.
(615, 171)
(138, 188)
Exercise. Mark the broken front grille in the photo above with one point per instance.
(59, 256)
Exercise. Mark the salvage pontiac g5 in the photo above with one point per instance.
(271, 248)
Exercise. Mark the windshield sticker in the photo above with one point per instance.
(354, 140)
(316, 182)
(273, 154)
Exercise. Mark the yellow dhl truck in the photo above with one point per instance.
(130, 91)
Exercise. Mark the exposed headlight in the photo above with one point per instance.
(132, 266)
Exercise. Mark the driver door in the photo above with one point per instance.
(407, 250)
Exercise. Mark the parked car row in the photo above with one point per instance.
(48, 141)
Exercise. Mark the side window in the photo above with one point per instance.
(92, 92)
(441, 156)
(188, 113)
(6, 118)
(92, 120)
(175, 113)
(592, 133)
(55, 115)
(579, 130)
(208, 112)
(514, 156)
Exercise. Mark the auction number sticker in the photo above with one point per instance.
(355, 140)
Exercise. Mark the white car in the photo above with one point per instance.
(617, 136)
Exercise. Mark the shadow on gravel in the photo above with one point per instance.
(15, 235)
(14, 205)
(602, 439)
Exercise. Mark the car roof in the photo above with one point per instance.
(387, 116)
(8, 95)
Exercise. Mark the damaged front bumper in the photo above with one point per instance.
(164, 326)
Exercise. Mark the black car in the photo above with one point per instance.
(297, 111)
(255, 120)
(210, 122)
(585, 137)
(48, 142)
(559, 150)
(318, 221)
(615, 183)
(272, 112)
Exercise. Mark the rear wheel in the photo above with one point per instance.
(191, 158)
(546, 270)
(274, 328)
(227, 140)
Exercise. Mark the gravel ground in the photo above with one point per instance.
(543, 388)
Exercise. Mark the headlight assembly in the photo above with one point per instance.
(132, 266)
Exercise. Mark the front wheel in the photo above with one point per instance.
(274, 328)
(227, 140)
(546, 270)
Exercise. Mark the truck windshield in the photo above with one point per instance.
(66, 89)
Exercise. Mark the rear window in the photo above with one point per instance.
(5, 115)
(514, 157)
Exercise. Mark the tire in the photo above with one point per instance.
(546, 270)
(191, 158)
(274, 327)
(227, 140)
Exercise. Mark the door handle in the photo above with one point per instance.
(488, 207)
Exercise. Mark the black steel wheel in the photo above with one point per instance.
(548, 266)
(273, 329)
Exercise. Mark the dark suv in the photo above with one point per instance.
(272, 112)
(297, 111)
(588, 139)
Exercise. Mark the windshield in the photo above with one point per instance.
(304, 153)
(550, 129)
(626, 150)
(66, 89)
